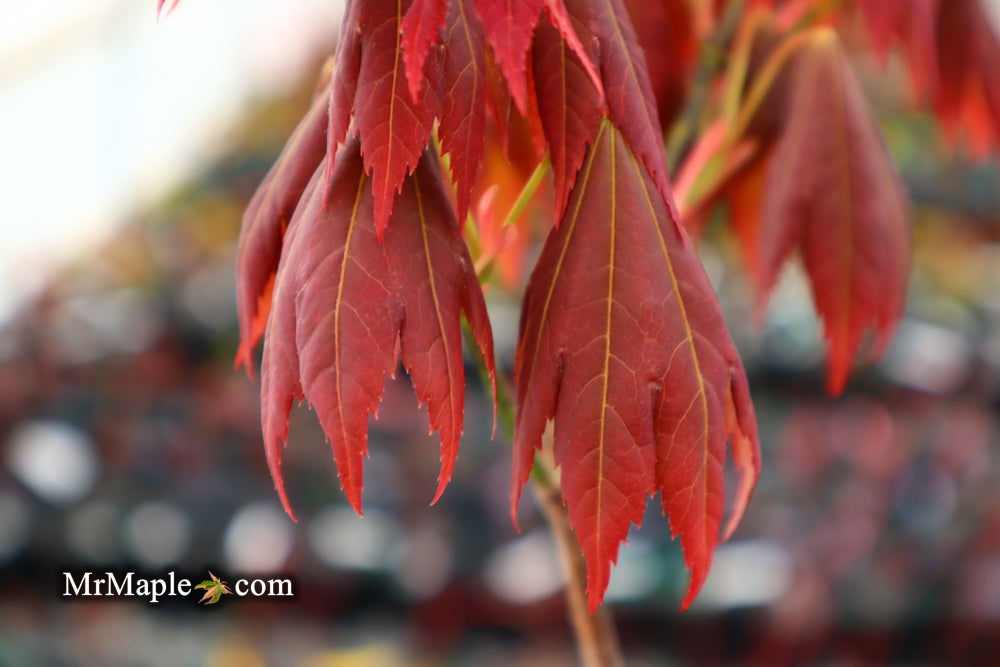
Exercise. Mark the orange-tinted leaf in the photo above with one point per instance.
(570, 108)
(745, 193)
(833, 192)
(346, 304)
(264, 223)
(623, 344)
(463, 110)
(510, 173)
(421, 29)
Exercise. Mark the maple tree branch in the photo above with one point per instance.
(595, 634)
(596, 637)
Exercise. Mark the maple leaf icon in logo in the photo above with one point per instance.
(215, 588)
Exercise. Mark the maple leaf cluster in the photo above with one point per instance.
(351, 258)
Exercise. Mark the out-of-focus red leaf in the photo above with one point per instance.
(421, 29)
(666, 32)
(745, 194)
(912, 22)
(346, 305)
(463, 111)
(882, 20)
(570, 108)
(623, 344)
(833, 192)
(160, 4)
(953, 52)
(968, 89)
(264, 223)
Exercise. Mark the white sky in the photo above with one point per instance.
(103, 109)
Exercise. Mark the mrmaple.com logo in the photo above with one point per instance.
(154, 589)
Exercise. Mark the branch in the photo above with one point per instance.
(595, 634)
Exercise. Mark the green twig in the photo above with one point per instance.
(528, 191)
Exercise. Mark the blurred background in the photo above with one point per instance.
(128, 441)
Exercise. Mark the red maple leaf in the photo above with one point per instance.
(265, 221)
(622, 343)
(347, 304)
(834, 194)
(571, 107)
(421, 29)
(463, 109)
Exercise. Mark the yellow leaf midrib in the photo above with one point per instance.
(336, 313)
(453, 415)
(607, 343)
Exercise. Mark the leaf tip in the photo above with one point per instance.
(354, 500)
(286, 503)
(243, 358)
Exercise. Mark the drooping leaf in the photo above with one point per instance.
(346, 304)
(833, 193)
(344, 84)
(463, 110)
(913, 23)
(968, 91)
(421, 30)
(583, 44)
(570, 108)
(508, 25)
(666, 32)
(629, 94)
(745, 195)
(394, 128)
(623, 344)
(265, 221)
(160, 4)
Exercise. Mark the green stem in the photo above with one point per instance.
(710, 60)
(528, 191)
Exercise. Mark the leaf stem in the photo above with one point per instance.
(710, 60)
(595, 633)
(528, 191)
